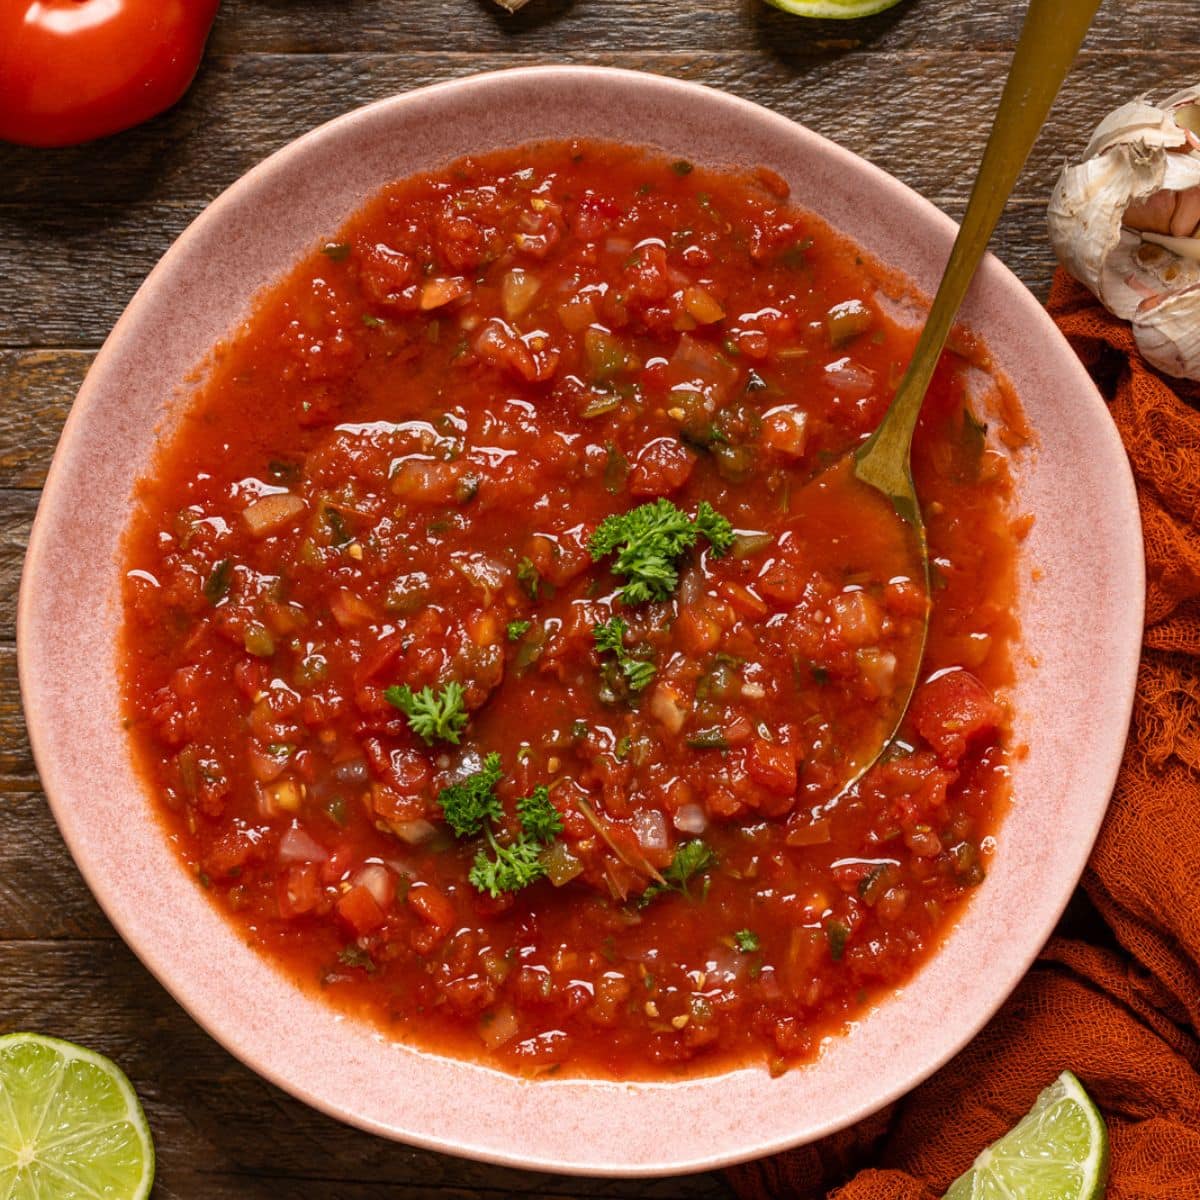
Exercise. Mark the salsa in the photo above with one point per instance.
(501, 632)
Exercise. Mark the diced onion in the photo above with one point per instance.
(849, 379)
(878, 668)
(499, 1027)
(413, 832)
(702, 306)
(668, 708)
(285, 795)
(377, 879)
(560, 864)
(690, 818)
(270, 514)
(436, 292)
(298, 846)
(650, 829)
(517, 292)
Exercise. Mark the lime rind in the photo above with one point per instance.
(1057, 1151)
(70, 1124)
(839, 10)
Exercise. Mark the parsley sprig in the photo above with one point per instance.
(610, 639)
(471, 808)
(648, 540)
(692, 858)
(432, 716)
(472, 802)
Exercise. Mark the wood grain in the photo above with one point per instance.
(221, 1131)
(911, 89)
(80, 243)
(556, 26)
(36, 390)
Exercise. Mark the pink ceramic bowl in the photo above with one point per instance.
(1080, 602)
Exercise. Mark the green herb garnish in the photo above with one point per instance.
(217, 584)
(648, 540)
(682, 167)
(610, 639)
(529, 578)
(518, 629)
(338, 251)
(539, 818)
(471, 803)
(514, 866)
(712, 738)
(432, 716)
(747, 941)
(836, 932)
(691, 859)
(471, 808)
(355, 956)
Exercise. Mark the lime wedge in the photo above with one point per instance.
(1058, 1151)
(70, 1124)
(842, 10)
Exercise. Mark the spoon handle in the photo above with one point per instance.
(1050, 40)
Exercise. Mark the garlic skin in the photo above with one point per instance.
(1125, 221)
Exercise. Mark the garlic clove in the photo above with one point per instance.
(1126, 222)
(1085, 216)
(1168, 333)
(1185, 247)
(1137, 121)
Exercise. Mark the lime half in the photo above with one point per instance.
(842, 10)
(1058, 1151)
(70, 1124)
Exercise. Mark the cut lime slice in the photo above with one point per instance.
(70, 1124)
(842, 10)
(1058, 1151)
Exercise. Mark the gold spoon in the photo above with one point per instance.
(1049, 42)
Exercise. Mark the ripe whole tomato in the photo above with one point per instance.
(74, 70)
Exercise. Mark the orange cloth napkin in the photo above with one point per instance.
(1115, 996)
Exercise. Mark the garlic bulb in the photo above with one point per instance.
(1126, 222)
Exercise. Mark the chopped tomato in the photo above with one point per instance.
(360, 910)
(952, 710)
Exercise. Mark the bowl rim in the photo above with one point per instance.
(36, 692)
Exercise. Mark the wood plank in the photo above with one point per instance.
(42, 894)
(324, 26)
(220, 1130)
(892, 109)
(62, 213)
(16, 759)
(17, 508)
(36, 391)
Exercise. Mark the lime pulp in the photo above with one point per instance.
(1058, 1151)
(838, 9)
(70, 1124)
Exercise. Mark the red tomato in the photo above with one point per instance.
(953, 709)
(74, 70)
(360, 910)
(663, 466)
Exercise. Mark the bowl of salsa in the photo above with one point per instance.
(448, 567)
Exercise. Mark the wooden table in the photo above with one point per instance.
(911, 90)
